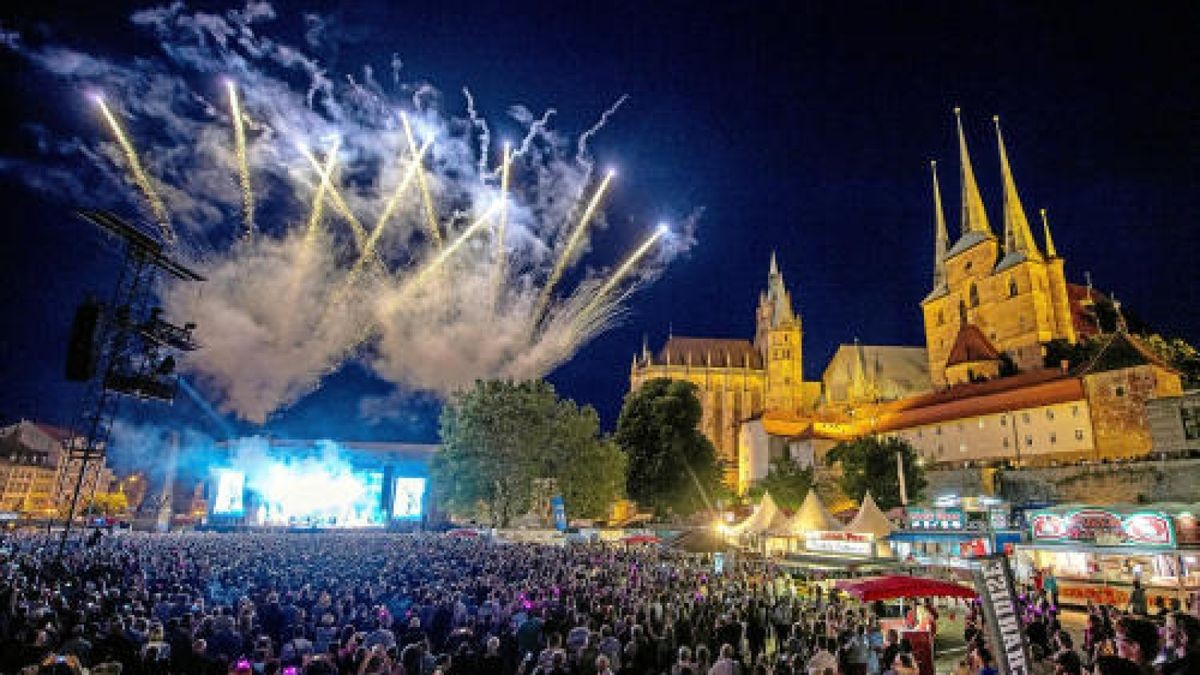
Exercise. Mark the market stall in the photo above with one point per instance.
(1097, 552)
(953, 531)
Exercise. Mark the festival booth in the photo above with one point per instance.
(871, 525)
(900, 587)
(953, 531)
(1096, 552)
(819, 542)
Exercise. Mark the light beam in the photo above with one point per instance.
(139, 175)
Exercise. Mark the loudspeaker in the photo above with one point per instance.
(81, 345)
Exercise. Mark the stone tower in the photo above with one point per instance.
(779, 338)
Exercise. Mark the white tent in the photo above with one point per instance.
(870, 520)
(812, 516)
(766, 516)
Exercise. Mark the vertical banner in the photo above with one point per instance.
(994, 581)
(559, 509)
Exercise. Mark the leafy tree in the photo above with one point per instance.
(500, 437)
(1176, 352)
(869, 463)
(787, 482)
(672, 466)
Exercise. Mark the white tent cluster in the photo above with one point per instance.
(812, 516)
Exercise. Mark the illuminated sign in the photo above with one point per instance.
(841, 542)
(1103, 528)
(994, 581)
(924, 518)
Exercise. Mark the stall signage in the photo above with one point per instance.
(994, 581)
(925, 518)
(1104, 528)
(841, 542)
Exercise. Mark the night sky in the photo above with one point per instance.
(806, 131)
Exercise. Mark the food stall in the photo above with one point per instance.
(953, 530)
(1096, 552)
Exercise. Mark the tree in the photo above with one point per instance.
(672, 466)
(1176, 352)
(787, 482)
(499, 438)
(1179, 354)
(869, 463)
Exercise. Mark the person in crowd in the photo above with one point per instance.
(1181, 638)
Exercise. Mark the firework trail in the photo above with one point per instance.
(426, 303)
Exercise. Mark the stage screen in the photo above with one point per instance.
(310, 495)
(230, 486)
(408, 498)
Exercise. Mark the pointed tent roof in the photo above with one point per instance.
(1051, 252)
(812, 516)
(970, 346)
(870, 519)
(766, 516)
(1019, 245)
(941, 239)
(975, 227)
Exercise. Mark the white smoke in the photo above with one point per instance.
(293, 303)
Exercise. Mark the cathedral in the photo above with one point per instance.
(739, 379)
(977, 393)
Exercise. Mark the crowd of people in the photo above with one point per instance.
(418, 604)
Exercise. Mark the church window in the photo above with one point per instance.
(1079, 434)
(1120, 390)
(1012, 288)
(962, 311)
(941, 318)
(967, 267)
(974, 295)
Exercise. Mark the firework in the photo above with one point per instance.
(622, 271)
(502, 222)
(239, 137)
(570, 249)
(139, 175)
(427, 198)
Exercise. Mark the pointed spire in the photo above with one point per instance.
(1018, 239)
(777, 296)
(974, 216)
(774, 271)
(1051, 252)
(941, 239)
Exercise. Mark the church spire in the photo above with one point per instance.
(778, 298)
(974, 216)
(941, 238)
(774, 271)
(1051, 252)
(1018, 239)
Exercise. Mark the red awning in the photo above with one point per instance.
(897, 586)
(641, 539)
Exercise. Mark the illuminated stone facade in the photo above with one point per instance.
(1016, 295)
(738, 379)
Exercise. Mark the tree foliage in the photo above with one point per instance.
(869, 463)
(108, 504)
(500, 437)
(787, 482)
(672, 466)
(1176, 352)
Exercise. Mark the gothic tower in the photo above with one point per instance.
(1008, 290)
(779, 339)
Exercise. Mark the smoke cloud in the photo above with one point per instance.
(345, 266)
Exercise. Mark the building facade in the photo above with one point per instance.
(34, 469)
(738, 379)
(1175, 423)
(1015, 294)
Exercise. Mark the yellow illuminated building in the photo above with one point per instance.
(1013, 293)
(738, 379)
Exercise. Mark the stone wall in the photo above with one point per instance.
(1176, 480)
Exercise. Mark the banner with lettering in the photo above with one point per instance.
(997, 593)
